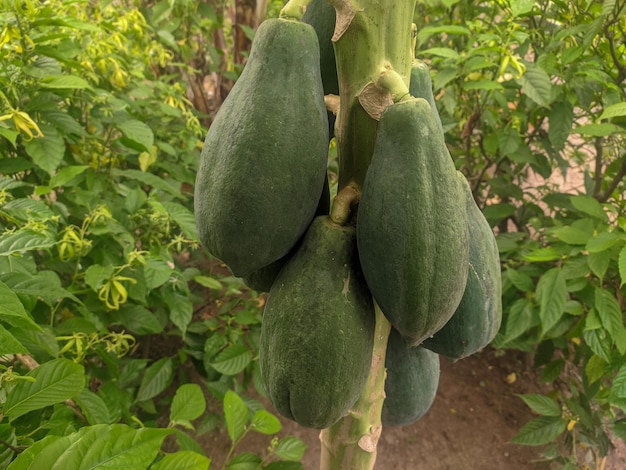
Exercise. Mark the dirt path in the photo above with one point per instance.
(474, 416)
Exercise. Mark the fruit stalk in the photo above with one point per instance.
(350, 444)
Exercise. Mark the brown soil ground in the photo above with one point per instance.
(469, 427)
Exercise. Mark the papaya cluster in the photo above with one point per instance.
(419, 246)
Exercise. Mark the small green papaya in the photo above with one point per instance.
(317, 333)
(322, 16)
(263, 163)
(412, 223)
(411, 383)
(479, 315)
(421, 86)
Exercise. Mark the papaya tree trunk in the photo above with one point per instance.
(372, 37)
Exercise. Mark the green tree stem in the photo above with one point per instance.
(378, 36)
(350, 444)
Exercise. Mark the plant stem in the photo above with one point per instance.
(379, 34)
(350, 444)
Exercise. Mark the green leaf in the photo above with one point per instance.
(521, 7)
(481, 85)
(27, 209)
(186, 442)
(181, 309)
(157, 272)
(614, 110)
(235, 414)
(618, 387)
(55, 382)
(552, 296)
(536, 84)
(47, 151)
(183, 460)
(94, 447)
(12, 310)
(156, 379)
(604, 129)
(542, 254)
(290, 448)
(188, 404)
(137, 319)
(96, 275)
(45, 285)
(209, 282)
(572, 235)
(148, 179)
(66, 174)
(265, 422)
(595, 368)
(519, 320)
(232, 360)
(622, 265)
(245, 461)
(138, 133)
(560, 123)
(9, 344)
(598, 343)
(445, 52)
(540, 431)
(589, 206)
(67, 82)
(599, 263)
(428, 31)
(520, 280)
(601, 242)
(611, 317)
(541, 404)
(183, 217)
(24, 240)
(93, 407)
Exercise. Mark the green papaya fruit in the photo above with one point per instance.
(412, 223)
(263, 163)
(262, 279)
(477, 318)
(411, 383)
(322, 16)
(421, 86)
(317, 333)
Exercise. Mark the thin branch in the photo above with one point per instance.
(10, 446)
(597, 189)
(616, 180)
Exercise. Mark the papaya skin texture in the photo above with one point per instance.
(262, 279)
(412, 223)
(412, 381)
(263, 163)
(479, 315)
(318, 326)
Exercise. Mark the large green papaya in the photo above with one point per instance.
(411, 383)
(318, 325)
(412, 224)
(263, 163)
(477, 319)
(421, 86)
(262, 279)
